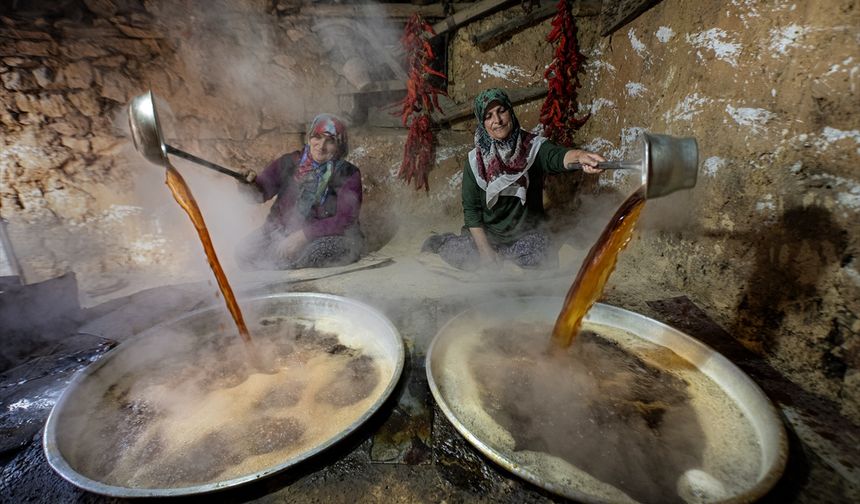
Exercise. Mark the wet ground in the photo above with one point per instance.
(407, 452)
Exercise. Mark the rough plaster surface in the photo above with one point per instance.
(768, 238)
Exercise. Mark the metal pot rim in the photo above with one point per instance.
(62, 467)
(769, 473)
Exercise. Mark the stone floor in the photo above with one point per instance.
(408, 451)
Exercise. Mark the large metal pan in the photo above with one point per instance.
(666, 164)
(76, 415)
(457, 349)
(149, 142)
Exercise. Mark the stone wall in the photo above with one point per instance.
(236, 83)
(767, 241)
(60, 86)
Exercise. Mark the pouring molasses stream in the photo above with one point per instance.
(667, 164)
(148, 140)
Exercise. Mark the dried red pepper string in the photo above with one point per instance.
(422, 98)
(558, 113)
(419, 152)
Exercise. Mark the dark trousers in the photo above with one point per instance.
(260, 251)
(528, 251)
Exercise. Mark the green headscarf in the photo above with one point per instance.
(488, 96)
(499, 164)
(483, 140)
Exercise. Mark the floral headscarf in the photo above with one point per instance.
(313, 177)
(331, 125)
(501, 166)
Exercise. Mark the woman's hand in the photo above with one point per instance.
(588, 160)
(248, 174)
(250, 191)
(291, 246)
(489, 258)
(486, 253)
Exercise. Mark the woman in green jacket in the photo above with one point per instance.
(503, 190)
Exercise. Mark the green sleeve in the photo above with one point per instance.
(472, 198)
(551, 157)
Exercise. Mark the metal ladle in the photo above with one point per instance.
(146, 133)
(667, 164)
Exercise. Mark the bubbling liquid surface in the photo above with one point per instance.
(613, 416)
(210, 415)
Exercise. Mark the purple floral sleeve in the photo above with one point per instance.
(269, 180)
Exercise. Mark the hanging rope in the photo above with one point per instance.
(558, 113)
(422, 98)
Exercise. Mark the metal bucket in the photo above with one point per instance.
(472, 406)
(666, 164)
(73, 427)
(669, 164)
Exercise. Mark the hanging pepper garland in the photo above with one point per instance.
(420, 101)
(558, 114)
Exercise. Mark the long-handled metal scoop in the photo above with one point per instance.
(667, 164)
(146, 133)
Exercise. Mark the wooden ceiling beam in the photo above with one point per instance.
(398, 11)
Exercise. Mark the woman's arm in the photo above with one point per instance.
(471, 195)
(268, 182)
(555, 158)
(488, 255)
(473, 214)
(588, 160)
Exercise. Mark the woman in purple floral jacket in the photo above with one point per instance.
(314, 219)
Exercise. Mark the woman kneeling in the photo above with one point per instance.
(503, 190)
(314, 219)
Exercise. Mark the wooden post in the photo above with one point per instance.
(496, 35)
(617, 14)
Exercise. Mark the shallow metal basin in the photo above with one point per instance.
(362, 326)
(448, 371)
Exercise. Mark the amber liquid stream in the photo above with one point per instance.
(595, 270)
(182, 195)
